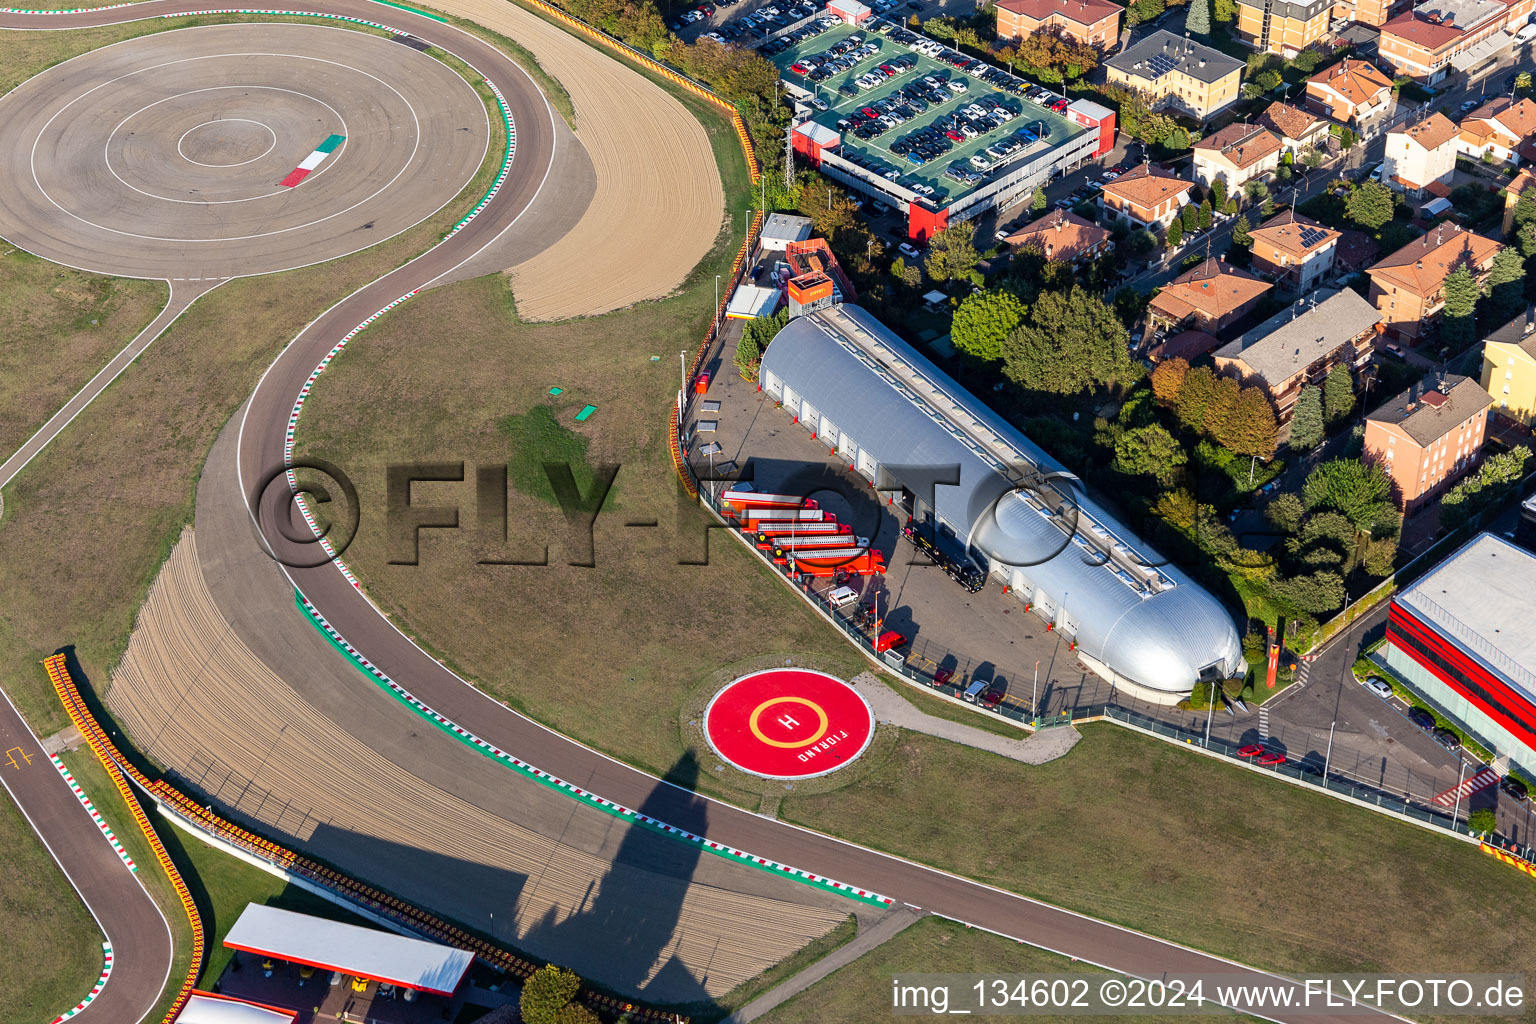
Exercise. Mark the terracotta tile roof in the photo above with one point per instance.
(1516, 119)
(1355, 80)
(1187, 345)
(1081, 12)
(1428, 34)
(1421, 265)
(1433, 132)
(1290, 122)
(1242, 145)
(1522, 181)
(1214, 288)
(1146, 187)
(1299, 236)
(1061, 235)
(1356, 249)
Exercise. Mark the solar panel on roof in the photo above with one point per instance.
(1311, 236)
(1161, 65)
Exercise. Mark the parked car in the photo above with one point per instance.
(1251, 750)
(1271, 757)
(908, 250)
(889, 641)
(1514, 789)
(1395, 350)
(1421, 718)
(1447, 739)
(1378, 686)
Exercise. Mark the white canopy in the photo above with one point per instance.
(207, 1008)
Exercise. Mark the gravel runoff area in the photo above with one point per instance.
(659, 204)
(559, 884)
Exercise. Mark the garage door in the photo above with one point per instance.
(772, 384)
(809, 416)
(791, 401)
(828, 430)
(847, 447)
(867, 464)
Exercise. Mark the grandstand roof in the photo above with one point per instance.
(364, 952)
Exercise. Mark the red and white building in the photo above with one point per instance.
(1462, 638)
(1501, 130)
(1438, 37)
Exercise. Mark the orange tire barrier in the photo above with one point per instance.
(656, 66)
(379, 903)
(64, 686)
(1508, 858)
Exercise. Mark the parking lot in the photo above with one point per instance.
(938, 116)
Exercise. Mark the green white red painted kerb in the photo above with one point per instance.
(544, 778)
(101, 983)
(90, 809)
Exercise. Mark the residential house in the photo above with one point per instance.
(1501, 131)
(1439, 37)
(1179, 74)
(1428, 437)
(1350, 92)
(1210, 298)
(1299, 130)
(1095, 22)
(1285, 27)
(1145, 198)
(1062, 235)
(1422, 157)
(1513, 193)
(1408, 286)
(1299, 345)
(1237, 153)
(1509, 368)
(1296, 251)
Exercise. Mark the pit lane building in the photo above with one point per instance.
(913, 432)
(1464, 636)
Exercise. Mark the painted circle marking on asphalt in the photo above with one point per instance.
(206, 124)
(788, 723)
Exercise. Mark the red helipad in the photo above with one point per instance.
(788, 723)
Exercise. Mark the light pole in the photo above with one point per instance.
(1034, 695)
(1210, 710)
(682, 373)
(1456, 813)
(1328, 757)
(717, 303)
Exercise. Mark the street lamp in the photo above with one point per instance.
(1328, 757)
(1034, 696)
(1456, 812)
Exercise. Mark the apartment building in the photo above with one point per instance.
(1296, 251)
(1299, 345)
(1439, 37)
(1062, 235)
(1350, 92)
(1501, 130)
(1509, 368)
(1179, 74)
(1095, 22)
(1209, 298)
(1420, 159)
(1298, 130)
(1428, 437)
(1371, 13)
(1408, 286)
(1145, 198)
(1283, 26)
(1237, 154)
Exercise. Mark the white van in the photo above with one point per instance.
(978, 687)
(842, 597)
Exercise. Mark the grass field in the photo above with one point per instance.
(53, 947)
(1137, 831)
(861, 991)
(59, 326)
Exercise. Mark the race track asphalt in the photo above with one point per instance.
(127, 915)
(261, 454)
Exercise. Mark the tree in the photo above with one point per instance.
(755, 338)
(1190, 215)
(1175, 233)
(1506, 286)
(1219, 193)
(1194, 396)
(1254, 431)
(1526, 235)
(1338, 393)
(1225, 10)
(1149, 450)
(1320, 592)
(546, 992)
(951, 253)
(1168, 378)
(907, 273)
(1205, 215)
(1240, 232)
(575, 1013)
(1177, 139)
(830, 208)
(1458, 328)
(1285, 512)
(1358, 491)
(1060, 53)
(1525, 212)
(1491, 482)
(1307, 420)
(1198, 20)
(1370, 204)
(1483, 822)
(1380, 555)
(1038, 203)
(1071, 341)
(1221, 410)
(983, 320)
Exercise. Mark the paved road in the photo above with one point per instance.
(124, 911)
(261, 455)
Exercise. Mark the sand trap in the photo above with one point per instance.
(659, 204)
(197, 700)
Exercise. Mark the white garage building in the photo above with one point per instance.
(911, 430)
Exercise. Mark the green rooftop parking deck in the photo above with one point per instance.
(1057, 129)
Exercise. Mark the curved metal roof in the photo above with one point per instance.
(1143, 618)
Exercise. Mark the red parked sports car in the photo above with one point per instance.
(1271, 757)
(1251, 750)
